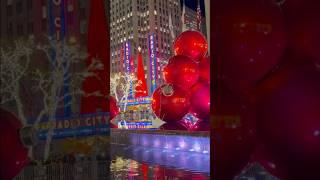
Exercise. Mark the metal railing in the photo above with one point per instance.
(93, 170)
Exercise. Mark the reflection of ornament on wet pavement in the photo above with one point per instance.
(254, 171)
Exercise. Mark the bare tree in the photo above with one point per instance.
(62, 58)
(122, 85)
(14, 66)
(48, 82)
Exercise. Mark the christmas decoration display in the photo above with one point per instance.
(304, 27)
(289, 115)
(141, 87)
(249, 39)
(204, 70)
(181, 71)
(263, 157)
(13, 155)
(268, 75)
(201, 126)
(170, 103)
(200, 100)
(233, 129)
(98, 49)
(189, 70)
(114, 110)
(192, 44)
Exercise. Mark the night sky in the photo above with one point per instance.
(193, 4)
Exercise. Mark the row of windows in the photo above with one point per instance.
(19, 7)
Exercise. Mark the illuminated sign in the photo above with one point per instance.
(57, 21)
(127, 57)
(135, 125)
(127, 63)
(137, 101)
(153, 62)
(81, 126)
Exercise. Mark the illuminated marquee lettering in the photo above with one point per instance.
(127, 57)
(74, 123)
(153, 63)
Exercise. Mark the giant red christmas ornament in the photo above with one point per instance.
(170, 103)
(288, 113)
(233, 134)
(249, 37)
(204, 70)
(192, 44)
(114, 110)
(13, 155)
(200, 100)
(181, 71)
(303, 24)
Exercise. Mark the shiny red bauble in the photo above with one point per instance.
(181, 71)
(200, 100)
(233, 133)
(249, 39)
(173, 126)
(192, 44)
(201, 126)
(13, 155)
(204, 70)
(114, 110)
(170, 103)
(288, 114)
(303, 24)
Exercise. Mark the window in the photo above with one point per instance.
(9, 10)
(29, 5)
(70, 18)
(19, 7)
(30, 28)
(43, 2)
(44, 25)
(10, 29)
(19, 29)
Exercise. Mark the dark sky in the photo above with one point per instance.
(193, 4)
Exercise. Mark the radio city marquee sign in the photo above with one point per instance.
(127, 57)
(153, 62)
(57, 20)
(81, 126)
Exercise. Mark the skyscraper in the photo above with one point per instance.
(145, 24)
(191, 21)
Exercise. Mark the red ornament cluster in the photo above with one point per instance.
(187, 75)
(268, 87)
(13, 154)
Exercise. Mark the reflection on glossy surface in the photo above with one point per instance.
(132, 162)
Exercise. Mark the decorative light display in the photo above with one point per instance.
(85, 125)
(135, 125)
(172, 142)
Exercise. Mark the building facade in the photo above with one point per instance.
(191, 21)
(145, 24)
(40, 18)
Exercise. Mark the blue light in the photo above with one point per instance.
(171, 142)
